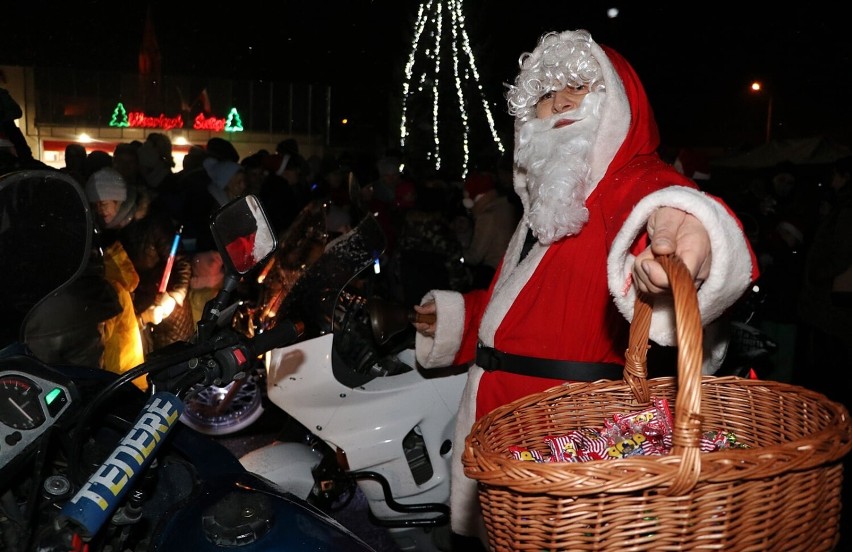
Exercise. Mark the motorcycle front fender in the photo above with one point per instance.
(288, 465)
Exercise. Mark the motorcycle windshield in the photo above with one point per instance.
(313, 297)
(45, 241)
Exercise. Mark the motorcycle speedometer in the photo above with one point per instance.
(20, 403)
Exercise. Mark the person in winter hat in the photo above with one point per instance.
(494, 221)
(227, 179)
(598, 205)
(129, 228)
(222, 149)
(155, 159)
(114, 201)
(15, 152)
(115, 206)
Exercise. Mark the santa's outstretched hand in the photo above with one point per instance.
(672, 231)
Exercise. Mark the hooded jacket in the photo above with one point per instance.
(123, 347)
(573, 299)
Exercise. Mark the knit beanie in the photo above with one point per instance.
(221, 172)
(478, 183)
(151, 165)
(276, 163)
(222, 149)
(106, 184)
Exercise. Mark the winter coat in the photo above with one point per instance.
(122, 339)
(494, 221)
(824, 302)
(148, 241)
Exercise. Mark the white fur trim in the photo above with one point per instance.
(466, 518)
(439, 351)
(615, 119)
(511, 280)
(730, 271)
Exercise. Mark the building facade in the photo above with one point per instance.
(102, 109)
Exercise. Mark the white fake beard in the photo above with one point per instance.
(556, 161)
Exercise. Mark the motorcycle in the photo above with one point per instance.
(750, 350)
(88, 460)
(362, 415)
(223, 410)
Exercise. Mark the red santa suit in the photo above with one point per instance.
(572, 300)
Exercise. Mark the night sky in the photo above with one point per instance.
(696, 61)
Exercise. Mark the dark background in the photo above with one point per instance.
(696, 60)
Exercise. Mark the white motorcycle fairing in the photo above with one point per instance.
(288, 465)
(370, 423)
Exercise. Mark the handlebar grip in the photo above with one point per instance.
(103, 492)
(283, 333)
(415, 316)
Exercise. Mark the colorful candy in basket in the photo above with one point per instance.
(647, 432)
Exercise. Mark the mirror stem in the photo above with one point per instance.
(213, 308)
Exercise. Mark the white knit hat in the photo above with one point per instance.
(106, 184)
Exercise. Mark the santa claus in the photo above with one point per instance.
(599, 204)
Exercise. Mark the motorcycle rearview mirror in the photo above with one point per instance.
(243, 234)
(244, 239)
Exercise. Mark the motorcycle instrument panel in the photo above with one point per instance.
(32, 399)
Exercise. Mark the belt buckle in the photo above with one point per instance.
(486, 358)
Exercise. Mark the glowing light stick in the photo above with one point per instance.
(164, 282)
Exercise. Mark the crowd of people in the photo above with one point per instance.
(140, 201)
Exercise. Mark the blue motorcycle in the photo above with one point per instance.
(90, 462)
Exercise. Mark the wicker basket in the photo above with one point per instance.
(780, 493)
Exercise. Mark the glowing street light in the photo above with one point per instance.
(756, 87)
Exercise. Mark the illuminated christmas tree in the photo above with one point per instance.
(445, 115)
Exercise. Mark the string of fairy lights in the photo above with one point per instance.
(429, 44)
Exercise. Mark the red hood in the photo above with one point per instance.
(643, 136)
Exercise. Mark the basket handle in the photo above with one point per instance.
(686, 434)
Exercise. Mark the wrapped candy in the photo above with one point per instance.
(644, 432)
(525, 454)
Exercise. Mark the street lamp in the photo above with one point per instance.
(756, 86)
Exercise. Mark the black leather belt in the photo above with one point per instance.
(491, 359)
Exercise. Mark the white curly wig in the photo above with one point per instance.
(560, 60)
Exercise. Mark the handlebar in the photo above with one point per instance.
(227, 356)
(417, 317)
(218, 360)
(98, 498)
(283, 333)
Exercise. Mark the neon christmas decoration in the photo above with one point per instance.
(136, 119)
(208, 123)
